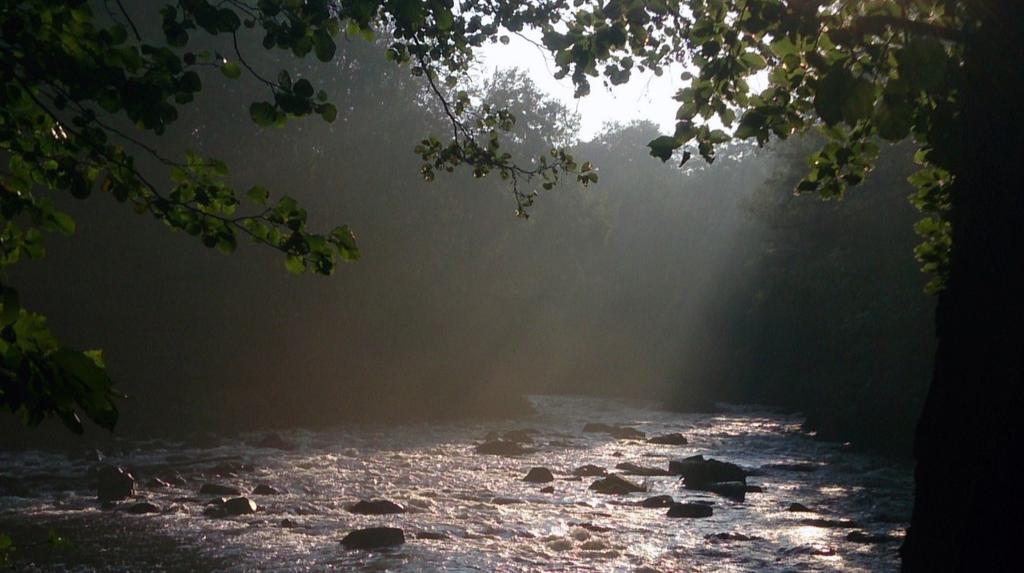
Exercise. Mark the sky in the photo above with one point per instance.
(646, 96)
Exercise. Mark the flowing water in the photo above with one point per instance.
(467, 511)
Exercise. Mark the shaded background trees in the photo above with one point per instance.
(683, 285)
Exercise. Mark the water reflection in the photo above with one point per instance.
(468, 512)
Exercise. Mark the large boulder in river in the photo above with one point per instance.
(240, 506)
(689, 510)
(223, 507)
(114, 484)
(615, 485)
(219, 489)
(502, 448)
(590, 470)
(374, 538)
(697, 471)
(676, 439)
(635, 470)
(376, 507)
(539, 475)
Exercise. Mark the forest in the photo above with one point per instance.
(793, 300)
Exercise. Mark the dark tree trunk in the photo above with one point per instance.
(968, 499)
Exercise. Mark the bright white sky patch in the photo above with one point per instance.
(646, 96)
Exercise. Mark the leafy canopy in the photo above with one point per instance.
(85, 94)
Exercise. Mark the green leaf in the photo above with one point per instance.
(303, 88)
(263, 113)
(258, 194)
(294, 264)
(231, 70)
(922, 63)
(323, 46)
(328, 112)
(859, 101)
(10, 306)
(663, 146)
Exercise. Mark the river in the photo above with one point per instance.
(466, 511)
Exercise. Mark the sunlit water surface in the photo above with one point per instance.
(490, 519)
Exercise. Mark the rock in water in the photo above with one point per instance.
(114, 484)
(240, 506)
(697, 471)
(865, 537)
(830, 523)
(264, 489)
(734, 490)
(615, 485)
(798, 507)
(219, 489)
(501, 448)
(676, 439)
(539, 475)
(590, 470)
(523, 436)
(689, 510)
(373, 538)
(157, 483)
(274, 441)
(376, 507)
(730, 536)
(635, 470)
(658, 501)
(143, 507)
(617, 432)
(800, 467)
(547, 489)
